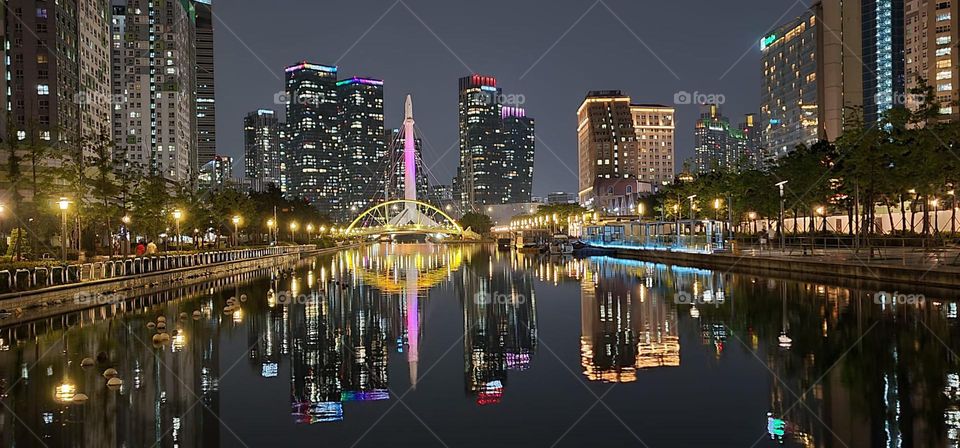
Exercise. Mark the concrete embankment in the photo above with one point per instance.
(37, 304)
(849, 272)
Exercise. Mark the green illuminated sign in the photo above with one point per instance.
(766, 41)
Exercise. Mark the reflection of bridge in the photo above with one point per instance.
(406, 216)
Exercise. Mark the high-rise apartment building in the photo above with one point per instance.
(931, 34)
(314, 162)
(362, 141)
(882, 37)
(261, 148)
(753, 155)
(607, 140)
(479, 177)
(216, 173)
(519, 141)
(206, 101)
(789, 113)
(718, 145)
(655, 128)
(621, 140)
(154, 64)
(57, 76)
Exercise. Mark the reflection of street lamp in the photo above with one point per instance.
(64, 393)
(64, 204)
(236, 230)
(783, 237)
(177, 216)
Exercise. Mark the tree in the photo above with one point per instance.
(477, 222)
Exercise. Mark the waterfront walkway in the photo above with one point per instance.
(946, 259)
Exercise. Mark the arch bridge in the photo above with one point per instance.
(406, 217)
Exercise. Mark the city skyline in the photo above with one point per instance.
(551, 93)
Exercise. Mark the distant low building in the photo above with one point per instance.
(561, 197)
(619, 196)
(502, 214)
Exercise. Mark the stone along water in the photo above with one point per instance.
(466, 346)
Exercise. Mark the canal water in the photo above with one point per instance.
(466, 346)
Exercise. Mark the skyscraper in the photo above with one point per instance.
(362, 139)
(314, 163)
(206, 102)
(718, 146)
(883, 58)
(752, 157)
(931, 32)
(154, 80)
(789, 114)
(655, 128)
(57, 90)
(606, 139)
(480, 178)
(261, 148)
(519, 142)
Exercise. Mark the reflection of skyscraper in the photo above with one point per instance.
(625, 325)
(315, 363)
(500, 325)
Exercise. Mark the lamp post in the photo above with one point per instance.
(822, 212)
(177, 216)
(309, 232)
(783, 240)
(63, 204)
(125, 235)
(753, 220)
(293, 234)
(236, 230)
(270, 225)
(936, 215)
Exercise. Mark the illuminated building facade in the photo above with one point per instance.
(314, 162)
(479, 178)
(718, 145)
(154, 82)
(206, 100)
(655, 127)
(788, 100)
(261, 147)
(752, 157)
(607, 140)
(931, 35)
(519, 142)
(55, 89)
(216, 173)
(883, 57)
(362, 140)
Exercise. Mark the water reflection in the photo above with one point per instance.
(346, 333)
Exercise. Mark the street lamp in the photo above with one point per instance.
(781, 185)
(309, 231)
(177, 216)
(753, 219)
(691, 198)
(236, 230)
(125, 235)
(63, 204)
(936, 214)
(270, 225)
(293, 234)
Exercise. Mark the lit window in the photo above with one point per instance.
(943, 40)
(43, 89)
(944, 74)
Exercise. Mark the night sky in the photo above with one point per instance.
(549, 51)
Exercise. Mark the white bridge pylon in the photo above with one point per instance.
(411, 214)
